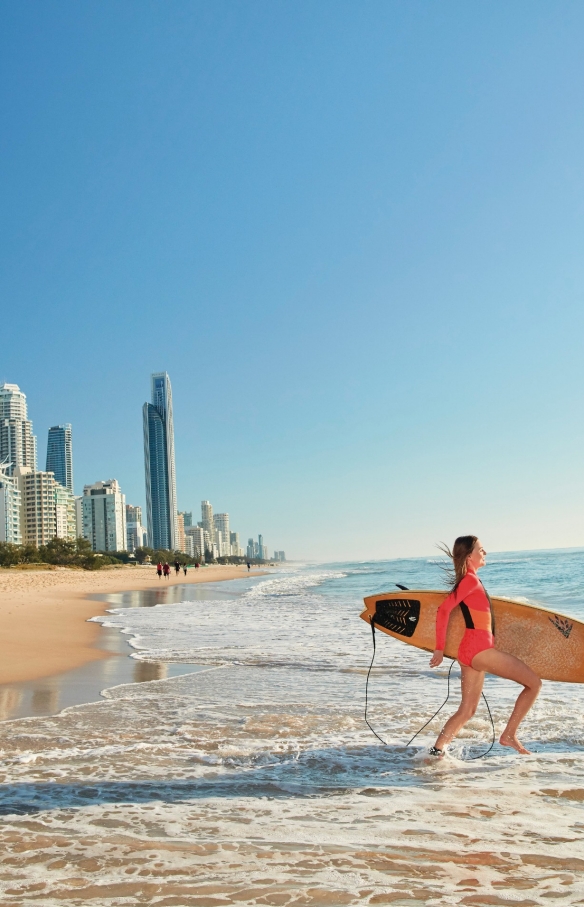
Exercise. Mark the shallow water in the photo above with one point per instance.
(256, 781)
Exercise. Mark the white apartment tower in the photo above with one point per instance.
(222, 534)
(197, 540)
(104, 516)
(9, 508)
(207, 518)
(17, 442)
(38, 514)
(136, 534)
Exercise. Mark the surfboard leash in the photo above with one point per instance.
(372, 622)
(437, 712)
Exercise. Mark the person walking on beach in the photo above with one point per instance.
(185, 569)
(166, 570)
(159, 570)
(248, 567)
(477, 652)
(177, 567)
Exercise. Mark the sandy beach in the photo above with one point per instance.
(44, 613)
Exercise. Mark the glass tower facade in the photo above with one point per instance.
(60, 455)
(159, 466)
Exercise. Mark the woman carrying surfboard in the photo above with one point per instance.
(477, 652)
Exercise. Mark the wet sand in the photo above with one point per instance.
(44, 614)
(48, 695)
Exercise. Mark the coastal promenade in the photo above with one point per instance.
(44, 613)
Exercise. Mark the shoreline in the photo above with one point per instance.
(44, 614)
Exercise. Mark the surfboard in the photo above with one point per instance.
(550, 643)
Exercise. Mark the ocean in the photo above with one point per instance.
(252, 778)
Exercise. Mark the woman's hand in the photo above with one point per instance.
(436, 658)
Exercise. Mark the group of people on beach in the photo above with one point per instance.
(164, 569)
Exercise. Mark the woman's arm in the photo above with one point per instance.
(442, 616)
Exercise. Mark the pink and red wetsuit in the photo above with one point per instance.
(476, 609)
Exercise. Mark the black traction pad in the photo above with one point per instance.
(400, 615)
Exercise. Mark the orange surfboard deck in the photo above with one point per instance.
(550, 643)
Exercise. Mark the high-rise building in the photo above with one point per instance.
(222, 534)
(38, 514)
(279, 555)
(17, 442)
(262, 549)
(104, 516)
(207, 518)
(161, 511)
(197, 539)
(9, 508)
(60, 455)
(236, 551)
(187, 518)
(135, 532)
(65, 513)
(180, 533)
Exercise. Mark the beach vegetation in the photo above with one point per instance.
(59, 552)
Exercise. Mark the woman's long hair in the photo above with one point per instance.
(461, 549)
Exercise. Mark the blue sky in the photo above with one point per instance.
(352, 233)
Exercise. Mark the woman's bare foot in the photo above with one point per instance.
(512, 741)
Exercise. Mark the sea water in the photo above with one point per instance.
(255, 780)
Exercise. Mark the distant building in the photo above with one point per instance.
(262, 549)
(79, 514)
(104, 516)
(9, 508)
(236, 551)
(279, 556)
(60, 455)
(187, 518)
(65, 513)
(38, 515)
(136, 534)
(222, 534)
(207, 518)
(161, 509)
(180, 533)
(197, 540)
(17, 442)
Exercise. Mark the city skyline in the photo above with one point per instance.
(39, 505)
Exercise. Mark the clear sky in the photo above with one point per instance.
(352, 233)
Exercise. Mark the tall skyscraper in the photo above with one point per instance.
(104, 516)
(207, 518)
(60, 455)
(161, 511)
(17, 442)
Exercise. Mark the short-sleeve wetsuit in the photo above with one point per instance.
(475, 605)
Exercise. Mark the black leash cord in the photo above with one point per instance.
(438, 710)
(367, 686)
(469, 758)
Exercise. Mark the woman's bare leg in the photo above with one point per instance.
(511, 668)
(471, 683)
